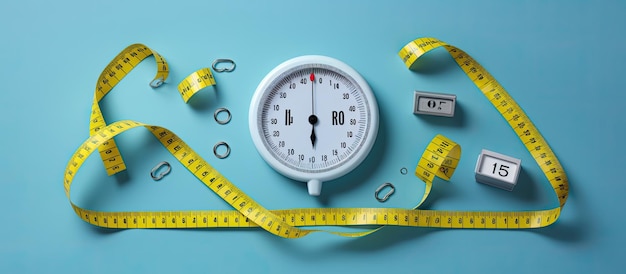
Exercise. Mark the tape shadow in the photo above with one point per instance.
(571, 228)
(525, 190)
(205, 99)
(387, 237)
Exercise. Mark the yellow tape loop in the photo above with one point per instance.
(114, 72)
(439, 159)
(195, 82)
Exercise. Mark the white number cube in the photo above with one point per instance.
(497, 170)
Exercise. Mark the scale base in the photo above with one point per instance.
(315, 187)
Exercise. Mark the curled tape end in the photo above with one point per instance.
(157, 82)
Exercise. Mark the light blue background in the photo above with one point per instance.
(562, 61)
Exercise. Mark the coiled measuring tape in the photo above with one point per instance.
(439, 160)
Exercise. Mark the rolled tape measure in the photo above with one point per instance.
(439, 159)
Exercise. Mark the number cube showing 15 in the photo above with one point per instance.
(497, 170)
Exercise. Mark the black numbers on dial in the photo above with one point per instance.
(312, 118)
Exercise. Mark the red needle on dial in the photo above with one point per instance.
(312, 118)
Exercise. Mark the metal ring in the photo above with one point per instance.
(226, 69)
(384, 198)
(162, 174)
(228, 116)
(221, 156)
(404, 171)
(157, 82)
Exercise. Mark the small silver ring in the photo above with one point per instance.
(162, 174)
(225, 154)
(404, 171)
(157, 82)
(226, 69)
(380, 188)
(224, 121)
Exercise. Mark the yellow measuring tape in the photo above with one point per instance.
(117, 69)
(439, 159)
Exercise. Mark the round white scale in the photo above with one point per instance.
(313, 119)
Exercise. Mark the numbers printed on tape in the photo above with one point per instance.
(117, 69)
(196, 81)
(439, 159)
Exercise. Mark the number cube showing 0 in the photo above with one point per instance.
(438, 104)
(497, 170)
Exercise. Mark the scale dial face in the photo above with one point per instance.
(313, 118)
